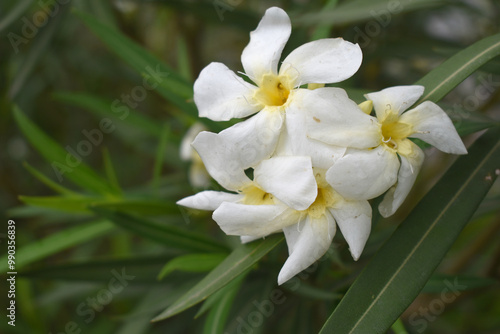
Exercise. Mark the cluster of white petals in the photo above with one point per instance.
(317, 157)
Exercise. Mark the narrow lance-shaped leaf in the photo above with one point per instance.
(57, 242)
(358, 10)
(168, 235)
(236, 263)
(217, 317)
(193, 263)
(35, 53)
(80, 174)
(143, 269)
(400, 269)
(453, 71)
(104, 108)
(48, 182)
(164, 79)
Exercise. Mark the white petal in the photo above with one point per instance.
(294, 141)
(290, 179)
(334, 119)
(209, 200)
(323, 61)
(354, 220)
(245, 239)
(253, 220)
(396, 99)
(431, 124)
(410, 166)
(216, 154)
(262, 54)
(307, 242)
(364, 174)
(221, 95)
(186, 151)
(254, 139)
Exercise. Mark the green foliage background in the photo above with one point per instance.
(434, 267)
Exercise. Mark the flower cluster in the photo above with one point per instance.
(316, 156)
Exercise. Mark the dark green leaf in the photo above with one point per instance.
(236, 263)
(397, 273)
(439, 282)
(195, 263)
(167, 235)
(453, 71)
(359, 10)
(54, 154)
(57, 242)
(169, 84)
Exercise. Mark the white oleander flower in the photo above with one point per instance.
(220, 94)
(288, 195)
(381, 156)
(309, 232)
(278, 182)
(198, 175)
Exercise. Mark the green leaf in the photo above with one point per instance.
(14, 14)
(402, 266)
(438, 282)
(81, 175)
(323, 31)
(48, 182)
(359, 10)
(57, 242)
(35, 53)
(169, 84)
(241, 259)
(167, 235)
(75, 204)
(398, 327)
(217, 318)
(146, 207)
(221, 12)
(160, 154)
(110, 172)
(104, 108)
(195, 263)
(311, 292)
(144, 269)
(453, 71)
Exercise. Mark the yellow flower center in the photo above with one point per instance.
(256, 196)
(273, 90)
(394, 131)
(326, 197)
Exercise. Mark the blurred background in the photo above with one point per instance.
(57, 66)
